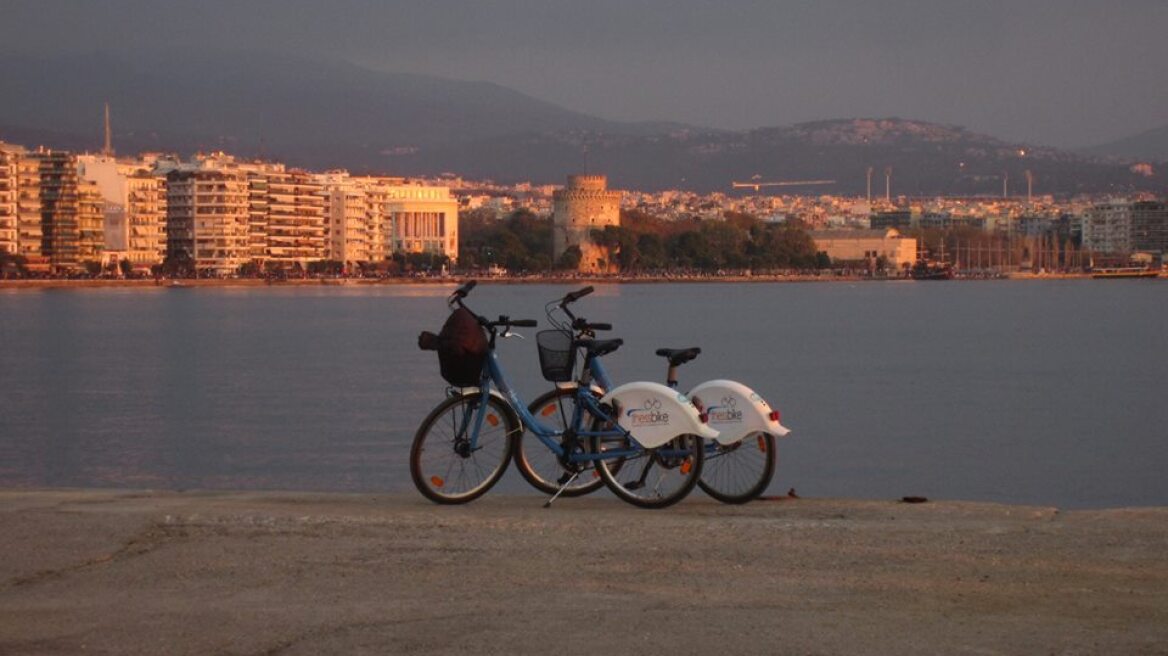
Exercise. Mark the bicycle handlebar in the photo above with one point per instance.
(462, 291)
(584, 324)
(507, 321)
(572, 297)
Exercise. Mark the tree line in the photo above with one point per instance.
(522, 241)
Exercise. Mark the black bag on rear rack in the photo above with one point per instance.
(462, 347)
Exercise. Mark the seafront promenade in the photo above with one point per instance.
(509, 280)
(139, 572)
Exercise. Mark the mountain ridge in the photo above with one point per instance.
(324, 114)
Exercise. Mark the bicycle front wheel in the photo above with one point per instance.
(448, 464)
(739, 472)
(651, 478)
(539, 465)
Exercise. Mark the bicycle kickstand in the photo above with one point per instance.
(564, 486)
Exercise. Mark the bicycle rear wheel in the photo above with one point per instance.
(538, 464)
(651, 478)
(739, 472)
(445, 466)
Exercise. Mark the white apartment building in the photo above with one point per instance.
(135, 207)
(423, 219)
(207, 218)
(286, 209)
(20, 205)
(9, 190)
(355, 216)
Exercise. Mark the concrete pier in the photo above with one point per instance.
(125, 572)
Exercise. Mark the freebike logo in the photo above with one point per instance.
(727, 413)
(649, 414)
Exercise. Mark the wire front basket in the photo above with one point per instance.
(557, 357)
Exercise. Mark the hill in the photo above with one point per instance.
(1150, 145)
(326, 114)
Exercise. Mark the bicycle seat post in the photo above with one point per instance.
(676, 358)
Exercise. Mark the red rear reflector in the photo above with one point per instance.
(704, 418)
(774, 415)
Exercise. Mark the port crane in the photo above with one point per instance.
(756, 183)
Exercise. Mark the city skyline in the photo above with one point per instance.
(1032, 72)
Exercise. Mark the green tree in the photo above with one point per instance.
(569, 259)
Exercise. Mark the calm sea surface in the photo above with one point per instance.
(1021, 392)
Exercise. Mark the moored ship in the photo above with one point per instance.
(1125, 272)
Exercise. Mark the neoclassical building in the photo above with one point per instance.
(586, 204)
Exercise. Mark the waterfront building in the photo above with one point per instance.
(422, 219)
(72, 213)
(135, 207)
(1120, 227)
(295, 220)
(9, 192)
(1149, 225)
(207, 218)
(257, 216)
(898, 219)
(584, 205)
(285, 209)
(865, 247)
(357, 219)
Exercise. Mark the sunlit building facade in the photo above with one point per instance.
(295, 230)
(9, 191)
(422, 219)
(357, 220)
(72, 213)
(207, 218)
(586, 204)
(134, 207)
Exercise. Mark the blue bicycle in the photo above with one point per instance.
(643, 439)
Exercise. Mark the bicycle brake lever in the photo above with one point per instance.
(507, 333)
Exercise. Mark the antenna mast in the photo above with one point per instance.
(108, 150)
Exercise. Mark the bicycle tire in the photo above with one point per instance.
(442, 468)
(537, 464)
(740, 472)
(639, 479)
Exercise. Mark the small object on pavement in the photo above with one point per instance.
(914, 499)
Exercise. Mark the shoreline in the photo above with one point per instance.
(143, 572)
(457, 279)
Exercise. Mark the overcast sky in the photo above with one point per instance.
(1059, 72)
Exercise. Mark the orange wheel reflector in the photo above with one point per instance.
(493, 420)
(437, 481)
(548, 410)
(687, 466)
(595, 473)
(762, 443)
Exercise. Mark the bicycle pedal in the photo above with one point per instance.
(635, 485)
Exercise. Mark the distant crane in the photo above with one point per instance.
(756, 183)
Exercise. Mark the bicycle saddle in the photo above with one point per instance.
(599, 347)
(679, 356)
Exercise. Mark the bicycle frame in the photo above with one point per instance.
(586, 405)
